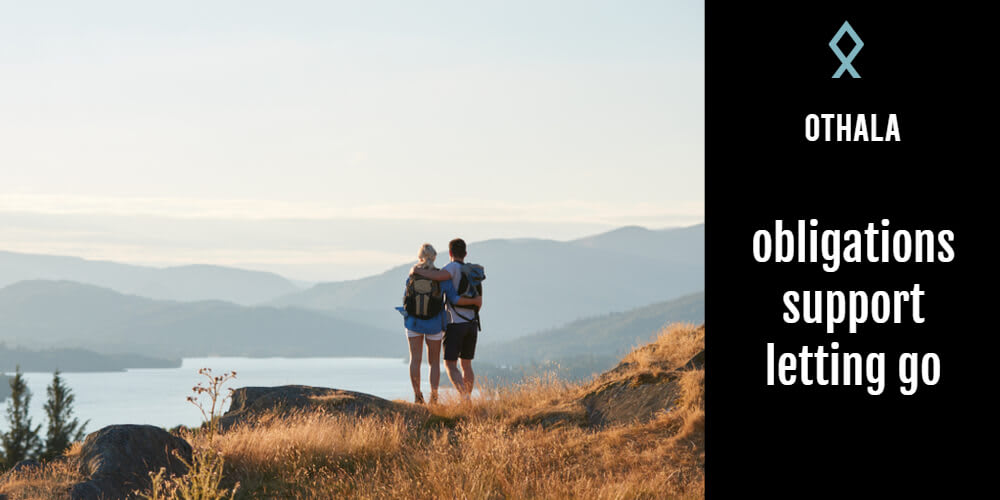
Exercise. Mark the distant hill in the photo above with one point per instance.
(69, 314)
(580, 349)
(184, 283)
(610, 335)
(681, 245)
(75, 360)
(534, 284)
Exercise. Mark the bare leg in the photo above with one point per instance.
(468, 376)
(434, 359)
(455, 375)
(416, 352)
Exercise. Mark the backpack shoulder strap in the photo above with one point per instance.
(474, 319)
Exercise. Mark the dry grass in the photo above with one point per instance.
(510, 403)
(483, 449)
(289, 453)
(50, 481)
(486, 449)
(673, 347)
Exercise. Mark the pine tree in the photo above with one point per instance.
(21, 440)
(63, 427)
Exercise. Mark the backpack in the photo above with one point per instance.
(422, 297)
(471, 285)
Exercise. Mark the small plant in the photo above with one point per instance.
(202, 481)
(216, 400)
(204, 472)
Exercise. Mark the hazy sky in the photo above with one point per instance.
(327, 140)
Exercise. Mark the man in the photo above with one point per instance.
(463, 329)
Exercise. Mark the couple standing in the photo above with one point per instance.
(456, 324)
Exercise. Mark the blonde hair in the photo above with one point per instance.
(426, 255)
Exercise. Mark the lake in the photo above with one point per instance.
(157, 396)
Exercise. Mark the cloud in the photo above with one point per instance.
(465, 210)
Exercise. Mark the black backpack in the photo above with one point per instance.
(471, 285)
(422, 297)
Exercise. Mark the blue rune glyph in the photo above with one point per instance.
(845, 61)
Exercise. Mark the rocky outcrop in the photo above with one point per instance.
(626, 394)
(251, 402)
(117, 460)
(629, 393)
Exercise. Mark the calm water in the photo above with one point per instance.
(157, 395)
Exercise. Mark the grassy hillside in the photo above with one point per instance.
(534, 284)
(62, 313)
(582, 348)
(635, 432)
(185, 283)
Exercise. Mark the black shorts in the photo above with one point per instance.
(460, 341)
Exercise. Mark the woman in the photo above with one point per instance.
(431, 331)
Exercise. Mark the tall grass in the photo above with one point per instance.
(484, 449)
(674, 346)
(50, 480)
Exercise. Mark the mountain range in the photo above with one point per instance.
(610, 335)
(183, 283)
(533, 286)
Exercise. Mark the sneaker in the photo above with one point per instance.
(418, 398)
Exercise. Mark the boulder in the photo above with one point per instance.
(251, 402)
(25, 465)
(117, 460)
